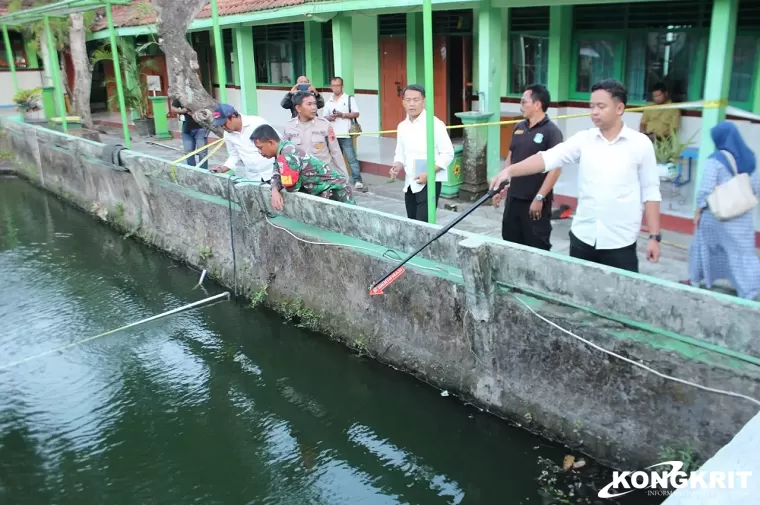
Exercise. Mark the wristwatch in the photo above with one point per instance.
(657, 237)
(539, 197)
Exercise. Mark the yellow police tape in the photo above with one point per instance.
(707, 104)
(217, 143)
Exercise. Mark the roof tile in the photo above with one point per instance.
(137, 15)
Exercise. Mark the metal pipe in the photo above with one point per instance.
(221, 73)
(55, 73)
(189, 306)
(117, 77)
(427, 31)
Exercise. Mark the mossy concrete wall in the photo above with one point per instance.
(465, 316)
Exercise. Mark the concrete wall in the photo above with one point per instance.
(461, 317)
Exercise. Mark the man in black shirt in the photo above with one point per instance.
(302, 85)
(528, 207)
(194, 136)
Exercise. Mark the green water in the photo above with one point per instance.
(222, 405)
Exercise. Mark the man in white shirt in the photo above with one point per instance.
(617, 174)
(240, 147)
(341, 110)
(411, 146)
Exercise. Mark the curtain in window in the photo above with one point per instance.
(743, 69)
(662, 56)
(596, 61)
(529, 61)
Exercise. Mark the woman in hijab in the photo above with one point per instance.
(725, 249)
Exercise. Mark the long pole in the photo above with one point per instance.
(9, 55)
(221, 74)
(427, 34)
(117, 77)
(55, 73)
(189, 306)
(378, 287)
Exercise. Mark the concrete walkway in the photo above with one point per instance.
(388, 197)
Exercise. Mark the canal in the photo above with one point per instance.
(221, 405)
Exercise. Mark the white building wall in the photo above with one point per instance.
(27, 79)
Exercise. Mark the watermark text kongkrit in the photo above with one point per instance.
(665, 482)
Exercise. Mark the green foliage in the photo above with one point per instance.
(690, 461)
(669, 149)
(260, 296)
(28, 99)
(133, 74)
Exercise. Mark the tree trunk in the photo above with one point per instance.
(82, 72)
(172, 22)
(47, 76)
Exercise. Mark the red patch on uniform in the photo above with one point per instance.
(288, 176)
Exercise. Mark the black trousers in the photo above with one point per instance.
(517, 225)
(417, 203)
(624, 258)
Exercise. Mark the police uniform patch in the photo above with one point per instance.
(538, 138)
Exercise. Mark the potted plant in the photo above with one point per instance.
(134, 82)
(667, 151)
(28, 100)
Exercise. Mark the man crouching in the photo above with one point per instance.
(296, 170)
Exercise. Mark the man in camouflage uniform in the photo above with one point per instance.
(297, 170)
(314, 134)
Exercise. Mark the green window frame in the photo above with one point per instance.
(636, 30)
(528, 48)
(279, 53)
(530, 67)
(746, 71)
(18, 50)
(616, 52)
(328, 58)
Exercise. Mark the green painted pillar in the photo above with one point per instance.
(10, 57)
(756, 91)
(720, 54)
(55, 73)
(221, 72)
(315, 61)
(30, 46)
(246, 70)
(490, 33)
(343, 54)
(560, 42)
(235, 77)
(415, 68)
(48, 101)
(159, 117)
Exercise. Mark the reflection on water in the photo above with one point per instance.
(222, 405)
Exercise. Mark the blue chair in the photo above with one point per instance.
(689, 155)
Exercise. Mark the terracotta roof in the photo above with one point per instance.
(136, 15)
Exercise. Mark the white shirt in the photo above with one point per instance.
(614, 180)
(340, 125)
(240, 147)
(411, 145)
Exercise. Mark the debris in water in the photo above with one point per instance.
(567, 463)
(444, 393)
(579, 464)
(203, 276)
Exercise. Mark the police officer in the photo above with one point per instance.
(527, 213)
(314, 134)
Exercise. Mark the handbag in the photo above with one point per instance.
(355, 126)
(734, 197)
